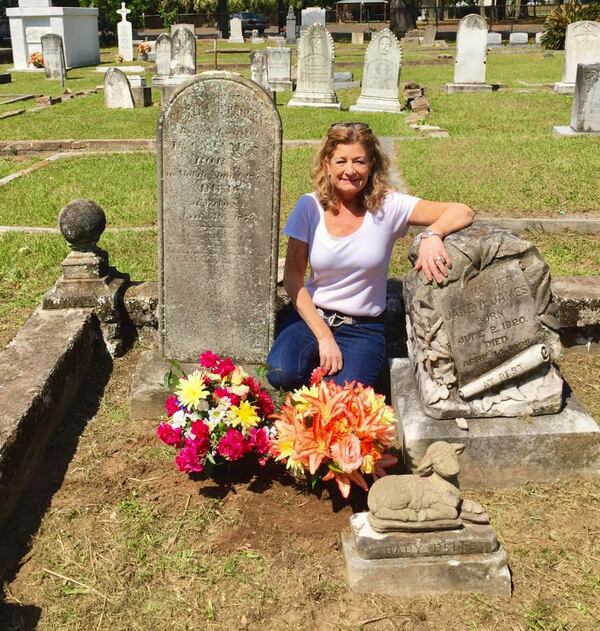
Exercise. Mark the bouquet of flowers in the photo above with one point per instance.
(335, 432)
(144, 48)
(215, 414)
(36, 60)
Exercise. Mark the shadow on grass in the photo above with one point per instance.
(19, 531)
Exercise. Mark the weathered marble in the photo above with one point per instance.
(492, 307)
(582, 46)
(518, 39)
(235, 31)
(54, 57)
(471, 49)
(290, 26)
(188, 26)
(117, 92)
(183, 53)
(429, 36)
(219, 164)
(258, 69)
(585, 114)
(312, 15)
(316, 54)
(125, 34)
(279, 69)
(381, 72)
(358, 38)
(494, 40)
(163, 54)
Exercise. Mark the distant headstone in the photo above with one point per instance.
(258, 69)
(117, 92)
(316, 53)
(379, 92)
(141, 93)
(494, 39)
(471, 49)
(313, 15)
(429, 36)
(219, 163)
(358, 38)
(279, 69)
(54, 57)
(585, 115)
(190, 27)
(183, 53)
(538, 38)
(124, 34)
(290, 26)
(582, 46)
(235, 31)
(518, 39)
(163, 54)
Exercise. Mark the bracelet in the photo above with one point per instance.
(428, 232)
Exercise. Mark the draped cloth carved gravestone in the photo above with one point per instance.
(315, 70)
(219, 164)
(379, 91)
(54, 57)
(471, 50)
(183, 53)
(163, 54)
(258, 69)
(582, 46)
(480, 344)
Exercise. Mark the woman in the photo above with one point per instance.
(346, 230)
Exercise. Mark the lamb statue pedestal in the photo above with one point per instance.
(420, 537)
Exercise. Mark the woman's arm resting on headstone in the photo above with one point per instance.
(442, 218)
(296, 262)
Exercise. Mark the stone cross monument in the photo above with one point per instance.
(124, 34)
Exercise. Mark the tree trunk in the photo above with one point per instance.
(223, 18)
(401, 17)
(281, 15)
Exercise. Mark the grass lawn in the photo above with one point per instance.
(151, 548)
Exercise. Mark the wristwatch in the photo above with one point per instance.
(428, 232)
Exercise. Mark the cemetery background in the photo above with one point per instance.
(154, 548)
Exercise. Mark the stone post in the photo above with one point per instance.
(87, 280)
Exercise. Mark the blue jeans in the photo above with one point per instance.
(295, 353)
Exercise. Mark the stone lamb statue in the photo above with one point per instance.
(430, 500)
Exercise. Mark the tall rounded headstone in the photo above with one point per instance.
(316, 53)
(183, 52)
(471, 45)
(582, 46)
(54, 57)
(163, 54)
(381, 72)
(219, 167)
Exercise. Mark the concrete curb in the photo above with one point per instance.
(40, 373)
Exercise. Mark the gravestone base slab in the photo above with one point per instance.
(346, 85)
(564, 88)
(501, 451)
(142, 95)
(312, 100)
(366, 104)
(565, 130)
(281, 86)
(452, 88)
(236, 40)
(416, 576)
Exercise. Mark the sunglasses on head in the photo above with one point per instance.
(350, 125)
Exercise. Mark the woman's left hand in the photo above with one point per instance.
(433, 259)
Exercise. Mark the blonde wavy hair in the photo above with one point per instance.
(372, 195)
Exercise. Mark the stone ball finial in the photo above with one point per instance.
(82, 223)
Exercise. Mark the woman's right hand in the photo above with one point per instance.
(330, 355)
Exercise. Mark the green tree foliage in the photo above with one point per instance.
(555, 27)
(108, 16)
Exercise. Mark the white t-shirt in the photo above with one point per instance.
(349, 274)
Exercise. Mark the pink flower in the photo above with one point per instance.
(259, 440)
(232, 446)
(317, 376)
(208, 359)
(201, 432)
(188, 459)
(224, 393)
(265, 404)
(253, 385)
(346, 453)
(168, 434)
(171, 405)
(225, 367)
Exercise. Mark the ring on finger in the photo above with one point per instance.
(440, 258)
